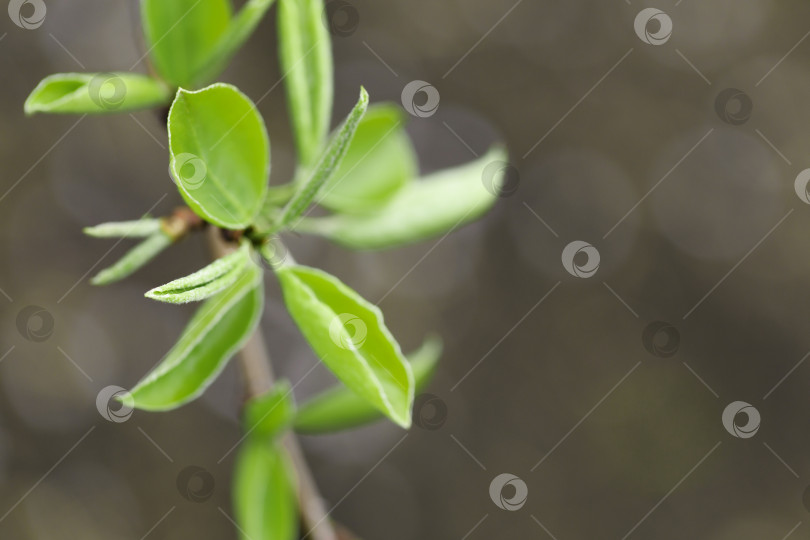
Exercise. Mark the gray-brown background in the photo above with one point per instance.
(628, 440)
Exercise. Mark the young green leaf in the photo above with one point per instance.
(328, 163)
(133, 259)
(379, 161)
(268, 415)
(206, 282)
(305, 52)
(96, 93)
(218, 329)
(274, 253)
(368, 360)
(126, 229)
(440, 202)
(277, 196)
(220, 154)
(181, 35)
(339, 408)
(264, 494)
(239, 30)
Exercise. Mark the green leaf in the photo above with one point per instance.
(220, 154)
(339, 408)
(239, 30)
(273, 252)
(379, 161)
(268, 415)
(218, 329)
(133, 259)
(205, 282)
(328, 163)
(126, 229)
(182, 34)
(277, 196)
(305, 52)
(96, 93)
(438, 203)
(264, 494)
(367, 360)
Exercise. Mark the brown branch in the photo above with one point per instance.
(181, 222)
(254, 362)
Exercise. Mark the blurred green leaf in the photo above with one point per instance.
(239, 30)
(268, 415)
(340, 408)
(277, 196)
(182, 34)
(329, 162)
(139, 228)
(438, 203)
(96, 93)
(220, 154)
(368, 360)
(217, 331)
(305, 52)
(379, 161)
(134, 259)
(206, 282)
(264, 494)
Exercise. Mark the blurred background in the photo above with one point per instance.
(671, 141)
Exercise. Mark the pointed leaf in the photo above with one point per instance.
(379, 161)
(264, 494)
(305, 52)
(239, 30)
(220, 154)
(438, 203)
(205, 282)
(268, 415)
(126, 229)
(217, 331)
(134, 259)
(181, 35)
(368, 359)
(328, 163)
(339, 408)
(96, 93)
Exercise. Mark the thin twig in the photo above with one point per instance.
(254, 362)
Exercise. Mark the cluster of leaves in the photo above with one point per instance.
(364, 173)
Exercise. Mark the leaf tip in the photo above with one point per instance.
(32, 104)
(404, 422)
(99, 279)
(29, 108)
(125, 399)
(182, 92)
